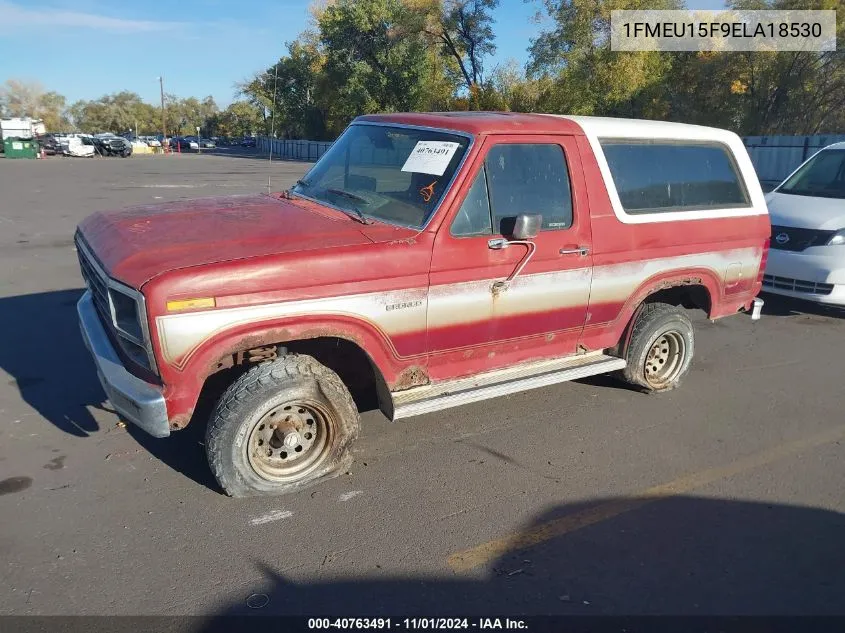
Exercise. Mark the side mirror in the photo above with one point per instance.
(527, 226)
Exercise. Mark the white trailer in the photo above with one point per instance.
(23, 127)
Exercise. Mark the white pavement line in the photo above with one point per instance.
(193, 186)
(346, 496)
(275, 515)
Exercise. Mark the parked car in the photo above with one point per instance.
(248, 142)
(152, 141)
(112, 145)
(425, 261)
(207, 143)
(49, 144)
(807, 260)
(184, 143)
(79, 146)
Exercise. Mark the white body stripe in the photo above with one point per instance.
(180, 334)
(471, 301)
(403, 311)
(617, 282)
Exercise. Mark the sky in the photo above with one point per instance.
(84, 49)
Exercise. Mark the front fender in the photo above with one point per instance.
(185, 374)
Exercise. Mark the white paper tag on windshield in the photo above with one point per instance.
(430, 157)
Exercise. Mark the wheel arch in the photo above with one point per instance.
(692, 289)
(315, 335)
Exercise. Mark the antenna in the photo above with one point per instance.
(273, 123)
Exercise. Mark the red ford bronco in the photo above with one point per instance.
(425, 261)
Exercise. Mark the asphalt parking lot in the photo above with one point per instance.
(723, 497)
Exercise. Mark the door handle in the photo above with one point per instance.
(580, 250)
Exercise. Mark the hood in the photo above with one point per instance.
(806, 212)
(138, 243)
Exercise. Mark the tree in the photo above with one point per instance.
(799, 92)
(21, 98)
(509, 89)
(124, 111)
(750, 93)
(301, 89)
(374, 63)
(185, 115)
(28, 99)
(241, 118)
(52, 109)
(589, 78)
(464, 31)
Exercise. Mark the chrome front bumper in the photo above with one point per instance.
(136, 400)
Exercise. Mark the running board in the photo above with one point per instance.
(454, 393)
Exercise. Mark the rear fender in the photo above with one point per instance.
(704, 277)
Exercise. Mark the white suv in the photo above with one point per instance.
(807, 210)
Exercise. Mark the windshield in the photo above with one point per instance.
(390, 173)
(823, 176)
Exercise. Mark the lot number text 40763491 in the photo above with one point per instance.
(423, 624)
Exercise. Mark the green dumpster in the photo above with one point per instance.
(20, 147)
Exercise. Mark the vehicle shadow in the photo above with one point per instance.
(678, 556)
(609, 381)
(184, 450)
(44, 354)
(777, 305)
(55, 375)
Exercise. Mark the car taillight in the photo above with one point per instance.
(763, 260)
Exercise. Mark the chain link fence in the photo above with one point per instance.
(293, 150)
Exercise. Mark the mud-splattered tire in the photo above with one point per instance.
(281, 427)
(660, 349)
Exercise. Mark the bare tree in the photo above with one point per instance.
(21, 98)
(464, 29)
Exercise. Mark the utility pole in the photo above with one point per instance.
(163, 116)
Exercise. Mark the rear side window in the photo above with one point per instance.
(663, 176)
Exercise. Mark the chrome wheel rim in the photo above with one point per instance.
(289, 441)
(665, 359)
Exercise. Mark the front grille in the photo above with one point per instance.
(788, 238)
(796, 285)
(96, 282)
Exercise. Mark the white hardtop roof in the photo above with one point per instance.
(608, 127)
(840, 145)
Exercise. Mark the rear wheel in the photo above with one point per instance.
(660, 349)
(280, 427)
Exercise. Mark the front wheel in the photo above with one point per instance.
(660, 349)
(280, 427)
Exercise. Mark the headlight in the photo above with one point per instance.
(837, 238)
(125, 315)
(128, 314)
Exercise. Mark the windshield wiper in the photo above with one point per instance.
(814, 193)
(302, 183)
(351, 196)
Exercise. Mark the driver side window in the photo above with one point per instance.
(473, 217)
